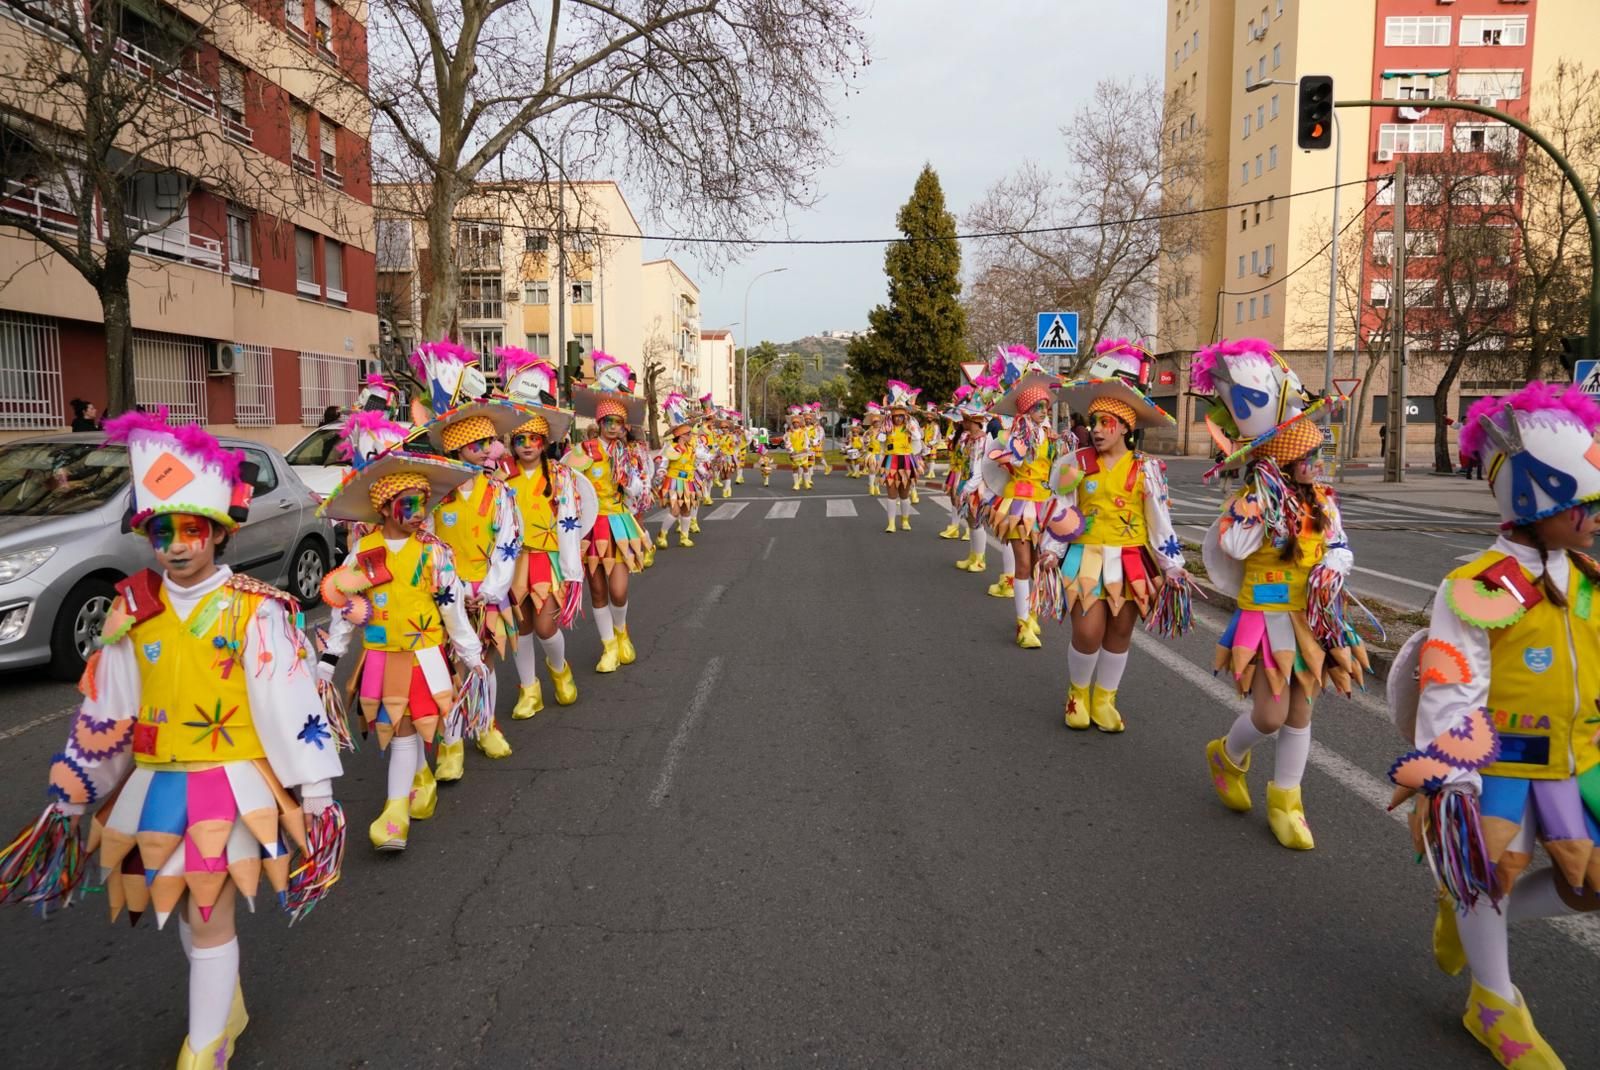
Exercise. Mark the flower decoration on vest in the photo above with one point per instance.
(678, 411)
(450, 374)
(529, 378)
(377, 394)
(1538, 449)
(369, 434)
(181, 470)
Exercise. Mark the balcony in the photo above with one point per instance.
(303, 164)
(171, 243)
(332, 177)
(48, 211)
(248, 273)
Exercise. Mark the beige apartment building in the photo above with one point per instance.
(719, 366)
(1263, 268)
(672, 325)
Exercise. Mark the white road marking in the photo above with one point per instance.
(841, 507)
(680, 738)
(1583, 930)
(783, 509)
(727, 510)
(17, 729)
(697, 616)
(768, 551)
(1429, 587)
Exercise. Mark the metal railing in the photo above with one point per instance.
(31, 202)
(30, 373)
(170, 371)
(173, 244)
(255, 402)
(325, 379)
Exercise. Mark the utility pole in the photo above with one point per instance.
(1394, 467)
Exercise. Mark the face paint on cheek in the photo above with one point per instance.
(168, 535)
(409, 508)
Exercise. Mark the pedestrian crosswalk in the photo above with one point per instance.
(830, 508)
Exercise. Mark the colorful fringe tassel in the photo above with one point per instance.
(472, 712)
(321, 865)
(46, 862)
(571, 603)
(333, 709)
(1048, 598)
(1325, 605)
(1173, 614)
(1455, 848)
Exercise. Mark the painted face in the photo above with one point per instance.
(408, 510)
(528, 446)
(1039, 412)
(184, 545)
(1308, 469)
(1105, 431)
(613, 427)
(1573, 529)
(483, 452)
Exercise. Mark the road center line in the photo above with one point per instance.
(1429, 587)
(1583, 930)
(17, 730)
(713, 595)
(680, 738)
(766, 553)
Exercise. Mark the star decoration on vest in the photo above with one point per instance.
(213, 724)
(569, 523)
(315, 731)
(509, 551)
(444, 596)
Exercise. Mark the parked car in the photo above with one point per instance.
(62, 549)
(317, 459)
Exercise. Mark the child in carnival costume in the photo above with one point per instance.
(679, 485)
(956, 477)
(764, 461)
(478, 521)
(1279, 548)
(706, 431)
(819, 452)
(1027, 458)
(742, 439)
(398, 586)
(797, 440)
(201, 712)
(968, 448)
(902, 445)
(1127, 563)
(854, 445)
(871, 424)
(378, 394)
(727, 450)
(1499, 696)
(555, 506)
(615, 544)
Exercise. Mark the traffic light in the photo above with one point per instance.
(1314, 130)
(574, 361)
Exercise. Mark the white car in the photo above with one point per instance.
(318, 459)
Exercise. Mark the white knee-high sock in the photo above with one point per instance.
(555, 651)
(404, 752)
(186, 938)
(683, 525)
(1019, 597)
(980, 540)
(1535, 896)
(1242, 738)
(527, 662)
(1080, 666)
(213, 974)
(1294, 747)
(1108, 673)
(1008, 560)
(619, 616)
(1483, 935)
(602, 621)
(666, 524)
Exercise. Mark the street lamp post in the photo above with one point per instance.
(744, 374)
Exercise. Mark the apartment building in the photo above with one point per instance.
(672, 325)
(719, 366)
(1263, 269)
(248, 318)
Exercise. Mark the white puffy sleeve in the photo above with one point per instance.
(1241, 529)
(339, 627)
(284, 705)
(1458, 655)
(1338, 555)
(507, 535)
(1162, 539)
(99, 747)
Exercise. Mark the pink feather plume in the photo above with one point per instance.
(191, 438)
(1242, 350)
(1559, 399)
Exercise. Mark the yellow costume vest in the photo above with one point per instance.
(194, 706)
(537, 511)
(602, 474)
(404, 614)
(1544, 672)
(465, 523)
(1112, 500)
(899, 441)
(680, 462)
(1030, 480)
(1275, 585)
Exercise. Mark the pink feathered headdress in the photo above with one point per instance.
(192, 438)
(1203, 372)
(1560, 400)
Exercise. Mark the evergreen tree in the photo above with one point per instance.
(918, 336)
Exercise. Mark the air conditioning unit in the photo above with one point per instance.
(222, 359)
(1265, 273)
(1258, 34)
(1384, 155)
(1489, 102)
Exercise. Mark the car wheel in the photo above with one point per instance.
(309, 565)
(79, 622)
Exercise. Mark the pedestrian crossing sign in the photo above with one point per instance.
(1057, 333)
(1586, 373)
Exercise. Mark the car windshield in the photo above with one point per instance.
(59, 478)
(321, 447)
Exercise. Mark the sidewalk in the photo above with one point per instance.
(1422, 488)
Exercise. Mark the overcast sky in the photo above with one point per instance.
(973, 89)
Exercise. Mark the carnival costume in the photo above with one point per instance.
(478, 520)
(1499, 696)
(960, 467)
(1128, 553)
(554, 505)
(1279, 549)
(902, 449)
(201, 710)
(797, 440)
(872, 424)
(681, 461)
(615, 544)
(404, 596)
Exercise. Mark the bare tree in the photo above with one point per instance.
(716, 108)
(1130, 171)
(112, 115)
(656, 349)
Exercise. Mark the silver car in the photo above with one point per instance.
(62, 500)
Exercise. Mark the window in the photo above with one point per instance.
(1277, 56)
(535, 243)
(1245, 131)
(478, 243)
(1252, 308)
(1272, 204)
(1481, 30)
(1419, 243)
(294, 17)
(1261, 69)
(1273, 106)
(1484, 137)
(230, 97)
(1379, 294)
(328, 134)
(536, 292)
(394, 245)
(1269, 256)
(1238, 312)
(1417, 30)
(1244, 220)
(1250, 30)
(1272, 158)
(481, 297)
(1196, 40)
(30, 373)
(1266, 305)
(585, 342)
(305, 263)
(583, 292)
(1261, 116)
(540, 344)
(1258, 165)
(1483, 189)
(300, 137)
(1280, 9)
(1175, 57)
(1255, 261)
(241, 247)
(1415, 85)
(1258, 213)
(1241, 265)
(324, 30)
(1411, 137)
(483, 341)
(1244, 174)
(1249, 76)
(1489, 84)
(325, 379)
(254, 404)
(333, 269)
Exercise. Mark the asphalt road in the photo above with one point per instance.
(830, 818)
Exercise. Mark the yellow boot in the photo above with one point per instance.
(1447, 949)
(727, 491)
(452, 761)
(905, 521)
(1033, 623)
(1103, 711)
(1077, 709)
(1001, 588)
(530, 700)
(951, 532)
(916, 499)
(424, 794)
(1287, 816)
(626, 655)
(566, 687)
(740, 479)
(649, 556)
(683, 538)
(661, 540)
(890, 528)
(389, 831)
(1025, 637)
(219, 1051)
(694, 525)
(979, 564)
(1506, 1029)
(608, 658)
(966, 536)
(966, 562)
(872, 487)
(1227, 778)
(766, 481)
(493, 743)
